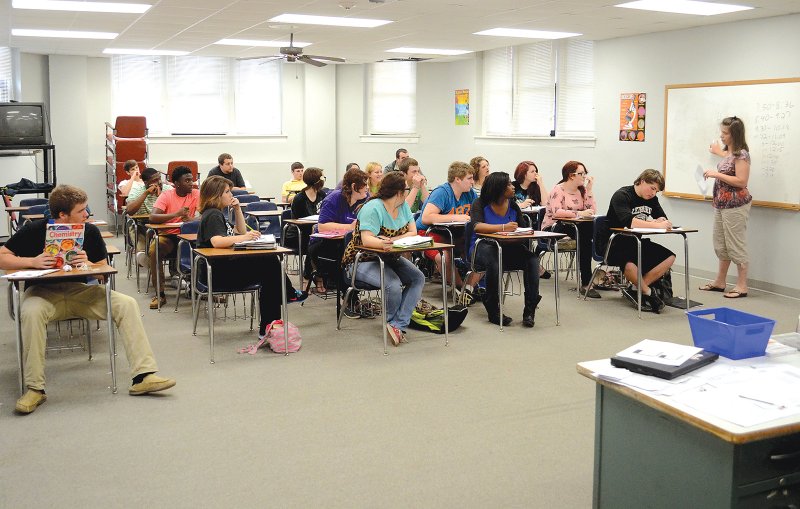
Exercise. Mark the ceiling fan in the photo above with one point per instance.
(291, 53)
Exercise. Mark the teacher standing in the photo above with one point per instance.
(731, 203)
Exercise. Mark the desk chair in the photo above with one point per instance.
(183, 264)
(355, 286)
(611, 278)
(248, 198)
(13, 224)
(192, 165)
(546, 246)
(267, 225)
(239, 192)
(29, 202)
(34, 210)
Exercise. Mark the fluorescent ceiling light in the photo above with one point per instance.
(265, 44)
(66, 34)
(66, 5)
(684, 7)
(303, 19)
(149, 52)
(429, 51)
(528, 34)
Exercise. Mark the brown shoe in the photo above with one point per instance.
(154, 302)
(151, 383)
(29, 401)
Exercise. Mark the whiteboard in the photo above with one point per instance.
(770, 110)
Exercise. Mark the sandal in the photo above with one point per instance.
(319, 284)
(735, 294)
(708, 287)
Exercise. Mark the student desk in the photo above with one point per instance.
(652, 452)
(155, 230)
(638, 234)
(338, 238)
(380, 253)
(112, 252)
(534, 235)
(137, 221)
(296, 224)
(9, 212)
(209, 254)
(95, 270)
(575, 223)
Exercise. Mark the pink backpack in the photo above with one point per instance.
(275, 336)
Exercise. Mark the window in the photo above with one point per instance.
(199, 95)
(6, 78)
(537, 88)
(392, 98)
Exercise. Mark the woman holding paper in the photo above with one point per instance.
(731, 206)
(386, 217)
(216, 231)
(496, 211)
(637, 206)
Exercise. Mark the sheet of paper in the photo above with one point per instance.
(702, 183)
(660, 352)
(25, 274)
(315, 217)
(647, 230)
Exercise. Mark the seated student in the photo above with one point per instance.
(307, 203)
(338, 212)
(494, 211)
(374, 175)
(572, 198)
(226, 169)
(216, 231)
(385, 218)
(637, 206)
(172, 205)
(399, 155)
(481, 170)
(292, 187)
(141, 200)
(450, 201)
(45, 302)
(416, 184)
(134, 180)
(529, 191)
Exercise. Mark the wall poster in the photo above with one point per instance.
(632, 112)
(462, 107)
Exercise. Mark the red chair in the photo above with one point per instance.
(191, 164)
(129, 127)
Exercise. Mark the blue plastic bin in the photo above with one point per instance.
(729, 332)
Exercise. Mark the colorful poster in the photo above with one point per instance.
(462, 107)
(632, 112)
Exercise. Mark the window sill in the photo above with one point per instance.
(567, 141)
(213, 138)
(390, 138)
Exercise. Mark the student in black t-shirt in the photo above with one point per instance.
(307, 203)
(637, 206)
(216, 231)
(46, 302)
(227, 170)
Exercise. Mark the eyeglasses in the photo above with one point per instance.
(408, 190)
(582, 173)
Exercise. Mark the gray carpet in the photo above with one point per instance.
(493, 420)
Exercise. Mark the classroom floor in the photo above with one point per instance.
(493, 420)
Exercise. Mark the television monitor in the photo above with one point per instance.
(23, 124)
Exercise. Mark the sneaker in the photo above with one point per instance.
(656, 304)
(590, 292)
(29, 401)
(154, 302)
(630, 295)
(395, 334)
(352, 313)
(495, 319)
(151, 383)
(545, 275)
(298, 296)
(465, 297)
(142, 259)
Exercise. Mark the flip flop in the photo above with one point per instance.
(708, 287)
(735, 294)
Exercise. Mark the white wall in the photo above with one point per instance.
(324, 125)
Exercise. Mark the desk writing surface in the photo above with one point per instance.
(225, 252)
(723, 429)
(17, 209)
(100, 269)
(630, 231)
(523, 236)
(300, 222)
(263, 213)
(436, 245)
(191, 237)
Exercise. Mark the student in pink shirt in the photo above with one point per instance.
(572, 198)
(172, 206)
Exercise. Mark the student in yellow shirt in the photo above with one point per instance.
(292, 187)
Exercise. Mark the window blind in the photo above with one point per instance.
(392, 98)
(258, 97)
(575, 84)
(6, 77)
(136, 89)
(197, 95)
(498, 89)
